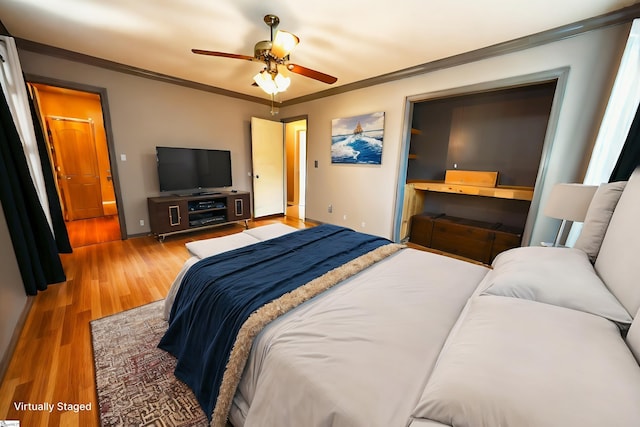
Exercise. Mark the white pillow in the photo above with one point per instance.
(214, 246)
(633, 337)
(598, 216)
(617, 262)
(270, 231)
(520, 363)
(209, 247)
(557, 276)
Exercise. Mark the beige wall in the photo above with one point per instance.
(146, 113)
(13, 298)
(367, 194)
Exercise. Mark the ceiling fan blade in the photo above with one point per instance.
(313, 74)
(223, 54)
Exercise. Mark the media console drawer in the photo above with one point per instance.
(167, 215)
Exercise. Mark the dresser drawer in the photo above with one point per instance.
(422, 229)
(505, 240)
(463, 240)
(476, 240)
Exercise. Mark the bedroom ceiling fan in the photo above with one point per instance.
(274, 53)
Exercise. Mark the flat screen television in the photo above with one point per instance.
(193, 169)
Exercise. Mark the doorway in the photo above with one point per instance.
(513, 120)
(77, 143)
(296, 167)
(279, 157)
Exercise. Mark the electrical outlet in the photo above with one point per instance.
(344, 217)
(330, 209)
(142, 223)
(363, 224)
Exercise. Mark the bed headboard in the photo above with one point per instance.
(617, 263)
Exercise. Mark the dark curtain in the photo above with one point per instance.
(55, 210)
(630, 155)
(33, 242)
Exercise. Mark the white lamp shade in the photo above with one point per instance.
(264, 80)
(282, 82)
(270, 84)
(569, 201)
(283, 43)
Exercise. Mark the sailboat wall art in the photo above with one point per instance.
(358, 139)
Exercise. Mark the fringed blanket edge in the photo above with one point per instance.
(271, 311)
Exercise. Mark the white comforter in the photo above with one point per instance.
(368, 351)
(361, 353)
(357, 355)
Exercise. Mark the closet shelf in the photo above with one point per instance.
(500, 191)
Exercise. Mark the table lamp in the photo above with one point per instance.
(569, 202)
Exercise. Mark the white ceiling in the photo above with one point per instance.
(349, 39)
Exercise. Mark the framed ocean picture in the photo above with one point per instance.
(358, 139)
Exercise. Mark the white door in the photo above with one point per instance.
(267, 151)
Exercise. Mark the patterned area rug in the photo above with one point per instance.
(134, 378)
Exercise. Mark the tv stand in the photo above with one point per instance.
(179, 214)
(197, 193)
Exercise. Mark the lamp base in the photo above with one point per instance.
(556, 242)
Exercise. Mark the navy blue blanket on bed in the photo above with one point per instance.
(219, 293)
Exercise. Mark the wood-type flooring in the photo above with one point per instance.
(53, 360)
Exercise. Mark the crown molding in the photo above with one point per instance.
(57, 52)
(3, 30)
(617, 17)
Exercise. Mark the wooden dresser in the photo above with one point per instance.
(477, 240)
(467, 238)
(470, 183)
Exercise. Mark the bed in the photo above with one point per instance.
(545, 336)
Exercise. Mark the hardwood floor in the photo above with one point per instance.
(53, 361)
(85, 232)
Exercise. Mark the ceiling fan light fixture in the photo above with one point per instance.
(266, 83)
(270, 84)
(282, 82)
(283, 43)
(274, 54)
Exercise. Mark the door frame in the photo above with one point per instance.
(104, 102)
(560, 75)
(67, 200)
(285, 121)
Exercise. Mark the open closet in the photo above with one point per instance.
(472, 165)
